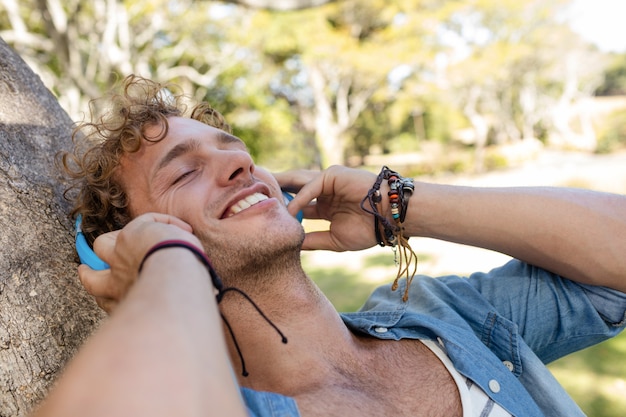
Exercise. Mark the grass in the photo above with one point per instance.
(594, 377)
(346, 291)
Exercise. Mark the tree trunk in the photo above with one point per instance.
(45, 314)
(327, 131)
(479, 124)
(280, 5)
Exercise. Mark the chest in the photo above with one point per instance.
(401, 378)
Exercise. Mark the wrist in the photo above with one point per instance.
(172, 264)
(183, 245)
(389, 232)
(414, 220)
(435, 210)
(392, 233)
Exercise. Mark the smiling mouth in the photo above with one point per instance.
(245, 203)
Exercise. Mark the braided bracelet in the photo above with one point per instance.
(388, 234)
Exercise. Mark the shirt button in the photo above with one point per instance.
(509, 365)
(380, 329)
(494, 386)
(440, 341)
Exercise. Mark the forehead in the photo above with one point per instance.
(183, 134)
(180, 128)
(180, 131)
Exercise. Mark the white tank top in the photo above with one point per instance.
(474, 401)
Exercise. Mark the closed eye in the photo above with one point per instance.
(183, 177)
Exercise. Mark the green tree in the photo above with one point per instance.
(81, 48)
(614, 77)
(514, 69)
(338, 57)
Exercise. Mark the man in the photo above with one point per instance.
(455, 347)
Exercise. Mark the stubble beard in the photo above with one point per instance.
(254, 264)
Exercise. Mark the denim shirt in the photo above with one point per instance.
(498, 329)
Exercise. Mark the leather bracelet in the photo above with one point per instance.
(400, 190)
(387, 233)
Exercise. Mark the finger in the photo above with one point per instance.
(107, 304)
(167, 219)
(293, 181)
(304, 199)
(309, 212)
(100, 284)
(148, 229)
(320, 240)
(104, 245)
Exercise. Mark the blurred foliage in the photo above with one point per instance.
(594, 377)
(612, 134)
(614, 77)
(333, 83)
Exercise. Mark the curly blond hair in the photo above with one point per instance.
(99, 144)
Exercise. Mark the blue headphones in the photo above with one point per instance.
(288, 197)
(88, 256)
(85, 253)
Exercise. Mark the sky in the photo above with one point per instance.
(602, 22)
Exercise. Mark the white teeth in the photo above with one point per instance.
(243, 204)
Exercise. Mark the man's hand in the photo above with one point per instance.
(334, 195)
(124, 250)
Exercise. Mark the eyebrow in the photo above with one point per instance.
(176, 152)
(223, 138)
(190, 145)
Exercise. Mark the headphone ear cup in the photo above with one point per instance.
(86, 255)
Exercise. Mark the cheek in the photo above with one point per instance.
(265, 176)
(188, 203)
(138, 202)
(136, 185)
(268, 179)
(177, 204)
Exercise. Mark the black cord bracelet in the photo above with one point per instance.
(173, 243)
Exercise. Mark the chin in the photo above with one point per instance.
(250, 253)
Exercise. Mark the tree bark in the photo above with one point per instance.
(45, 314)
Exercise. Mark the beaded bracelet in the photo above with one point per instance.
(219, 286)
(388, 234)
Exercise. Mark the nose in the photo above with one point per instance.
(236, 166)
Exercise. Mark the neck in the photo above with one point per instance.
(308, 320)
